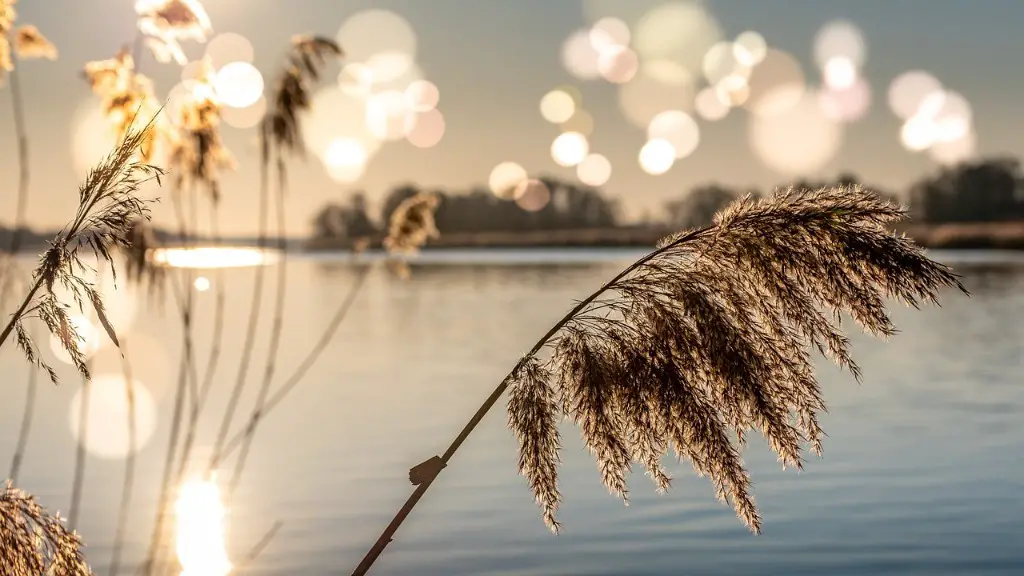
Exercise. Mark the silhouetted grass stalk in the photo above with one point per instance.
(300, 372)
(277, 326)
(129, 463)
(254, 311)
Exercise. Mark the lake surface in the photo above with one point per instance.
(923, 471)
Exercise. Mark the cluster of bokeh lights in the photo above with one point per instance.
(673, 70)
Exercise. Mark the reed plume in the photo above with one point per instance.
(166, 22)
(34, 542)
(410, 227)
(280, 136)
(108, 204)
(705, 339)
(124, 94)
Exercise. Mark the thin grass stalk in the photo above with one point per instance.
(165, 484)
(299, 373)
(186, 385)
(129, 464)
(81, 456)
(259, 547)
(24, 172)
(218, 314)
(254, 310)
(27, 415)
(78, 480)
(187, 367)
(386, 536)
(6, 332)
(277, 325)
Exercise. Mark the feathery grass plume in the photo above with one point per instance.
(30, 43)
(412, 224)
(198, 154)
(410, 228)
(7, 17)
(126, 94)
(706, 338)
(291, 96)
(108, 205)
(33, 542)
(166, 22)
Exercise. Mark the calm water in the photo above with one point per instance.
(923, 470)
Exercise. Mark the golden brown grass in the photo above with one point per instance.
(702, 341)
(31, 541)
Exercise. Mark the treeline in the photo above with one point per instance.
(988, 190)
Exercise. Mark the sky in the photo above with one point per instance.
(493, 60)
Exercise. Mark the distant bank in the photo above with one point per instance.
(980, 236)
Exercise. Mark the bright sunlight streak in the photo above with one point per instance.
(213, 257)
(200, 530)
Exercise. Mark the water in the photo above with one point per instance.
(923, 469)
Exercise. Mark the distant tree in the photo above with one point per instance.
(983, 191)
(699, 206)
(350, 220)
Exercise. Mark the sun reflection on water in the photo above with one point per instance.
(210, 257)
(200, 530)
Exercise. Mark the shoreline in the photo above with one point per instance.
(966, 236)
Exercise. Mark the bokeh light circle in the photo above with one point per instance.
(849, 104)
(750, 48)
(387, 115)
(909, 90)
(677, 128)
(557, 106)
(953, 152)
(427, 129)
(504, 179)
(333, 114)
(780, 76)
(580, 57)
(89, 341)
(657, 157)
(107, 411)
(345, 159)
(618, 64)
(840, 72)
(798, 141)
(594, 170)
(644, 97)
(608, 33)
(422, 96)
(709, 106)
(569, 148)
(532, 195)
(721, 61)
(840, 38)
(680, 32)
(371, 32)
(238, 84)
(229, 47)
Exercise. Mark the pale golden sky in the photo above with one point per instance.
(494, 59)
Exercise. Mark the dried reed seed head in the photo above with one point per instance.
(198, 153)
(178, 19)
(30, 43)
(109, 207)
(34, 542)
(307, 55)
(412, 224)
(7, 17)
(708, 337)
(125, 95)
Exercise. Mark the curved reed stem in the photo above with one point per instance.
(277, 324)
(24, 173)
(254, 310)
(300, 372)
(421, 489)
(129, 463)
(26, 425)
(80, 456)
